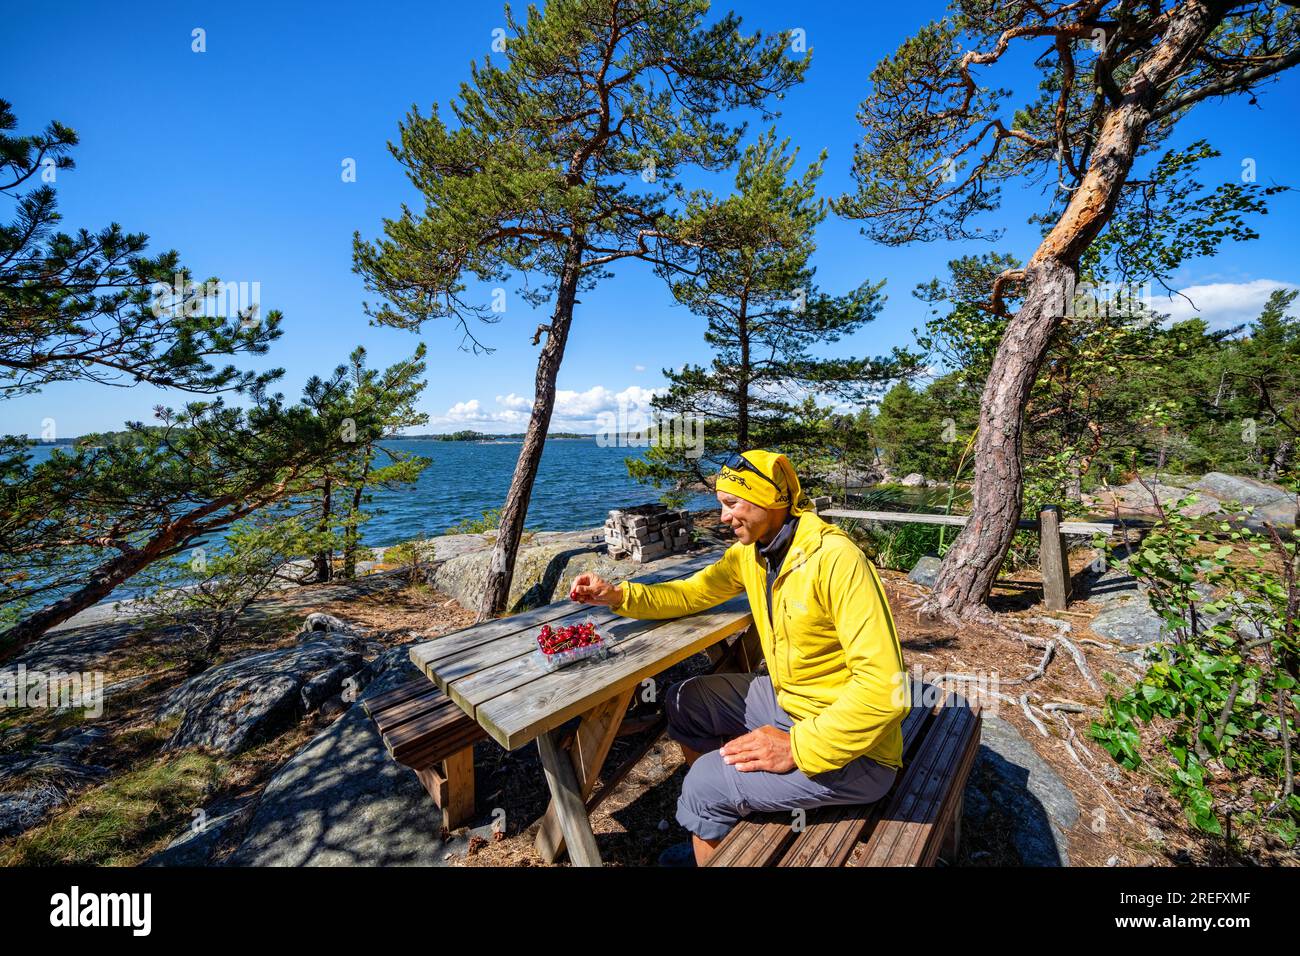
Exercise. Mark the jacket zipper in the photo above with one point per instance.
(785, 638)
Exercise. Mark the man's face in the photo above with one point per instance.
(750, 522)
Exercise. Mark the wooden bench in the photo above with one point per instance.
(423, 729)
(918, 821)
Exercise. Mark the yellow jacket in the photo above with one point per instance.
(834, 658)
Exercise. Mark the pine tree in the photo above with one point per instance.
(1115, 80)
(554, 168)
(749, 277)
(78, 525)
(90, 306)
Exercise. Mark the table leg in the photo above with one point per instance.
(595, 735)
(567, 803)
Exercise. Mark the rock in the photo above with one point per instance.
(544, 568)
(23, 809)
(1011, 780)
(1138, 659)
(1280, 514)
(864, 477)
(50, 764)
(326, 684)
(1245, 491)
(320, 621)
(914, 480)
(233, 705)
(1131, 622)
(197, 844)
(1111, 586)
(334, 707)
(1135, 498)
(926, 571)
(342, 801)
(36, 784)
(1247, 628)
(77, 743)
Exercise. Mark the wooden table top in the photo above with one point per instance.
(494, 673)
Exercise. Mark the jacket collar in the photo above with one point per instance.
(808, 536)
(776, 549)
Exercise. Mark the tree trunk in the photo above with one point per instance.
(324, 561)
(496, 589)
(351, 536)
(104, 579)
(971, 565)
(742, 383)
(1280, 459)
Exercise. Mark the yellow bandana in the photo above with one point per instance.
(743, 483)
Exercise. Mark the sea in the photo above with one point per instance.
(578, 482)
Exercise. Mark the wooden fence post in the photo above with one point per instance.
(1053, 559)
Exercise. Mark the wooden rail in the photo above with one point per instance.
(1052, 555)
(1067, 527)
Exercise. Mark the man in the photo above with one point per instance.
(824, 725)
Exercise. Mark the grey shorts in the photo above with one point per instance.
(705, 712)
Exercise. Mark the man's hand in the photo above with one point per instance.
(590, 588)
(767, 748)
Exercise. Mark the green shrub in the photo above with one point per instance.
(490, 521)
(1226, 677)
(411, 556)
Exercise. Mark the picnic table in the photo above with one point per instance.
(492, 672)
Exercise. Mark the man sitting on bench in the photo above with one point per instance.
(824, 725)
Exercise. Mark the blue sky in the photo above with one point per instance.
(233, 156)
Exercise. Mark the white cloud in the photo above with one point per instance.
(1221, 305)
(464, 410)
(597, 399)
(639, 368)
(517, 402)
(573, 412)
(471, 414)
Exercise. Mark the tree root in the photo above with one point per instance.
(982, 616)
(1067, 740)
(1024, 705)
(1041, 669)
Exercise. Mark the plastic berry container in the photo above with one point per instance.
(561, 646)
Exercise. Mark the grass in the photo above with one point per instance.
(122, 821)
(900, 546)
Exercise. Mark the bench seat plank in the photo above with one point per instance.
(392, 718)
(829, 839)
(909, 832)
(398, 695)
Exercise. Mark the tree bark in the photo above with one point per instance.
(324, 560)
(1280, 458)
(742, 385)
(971, 565)
(496, 588)
(352, 536)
